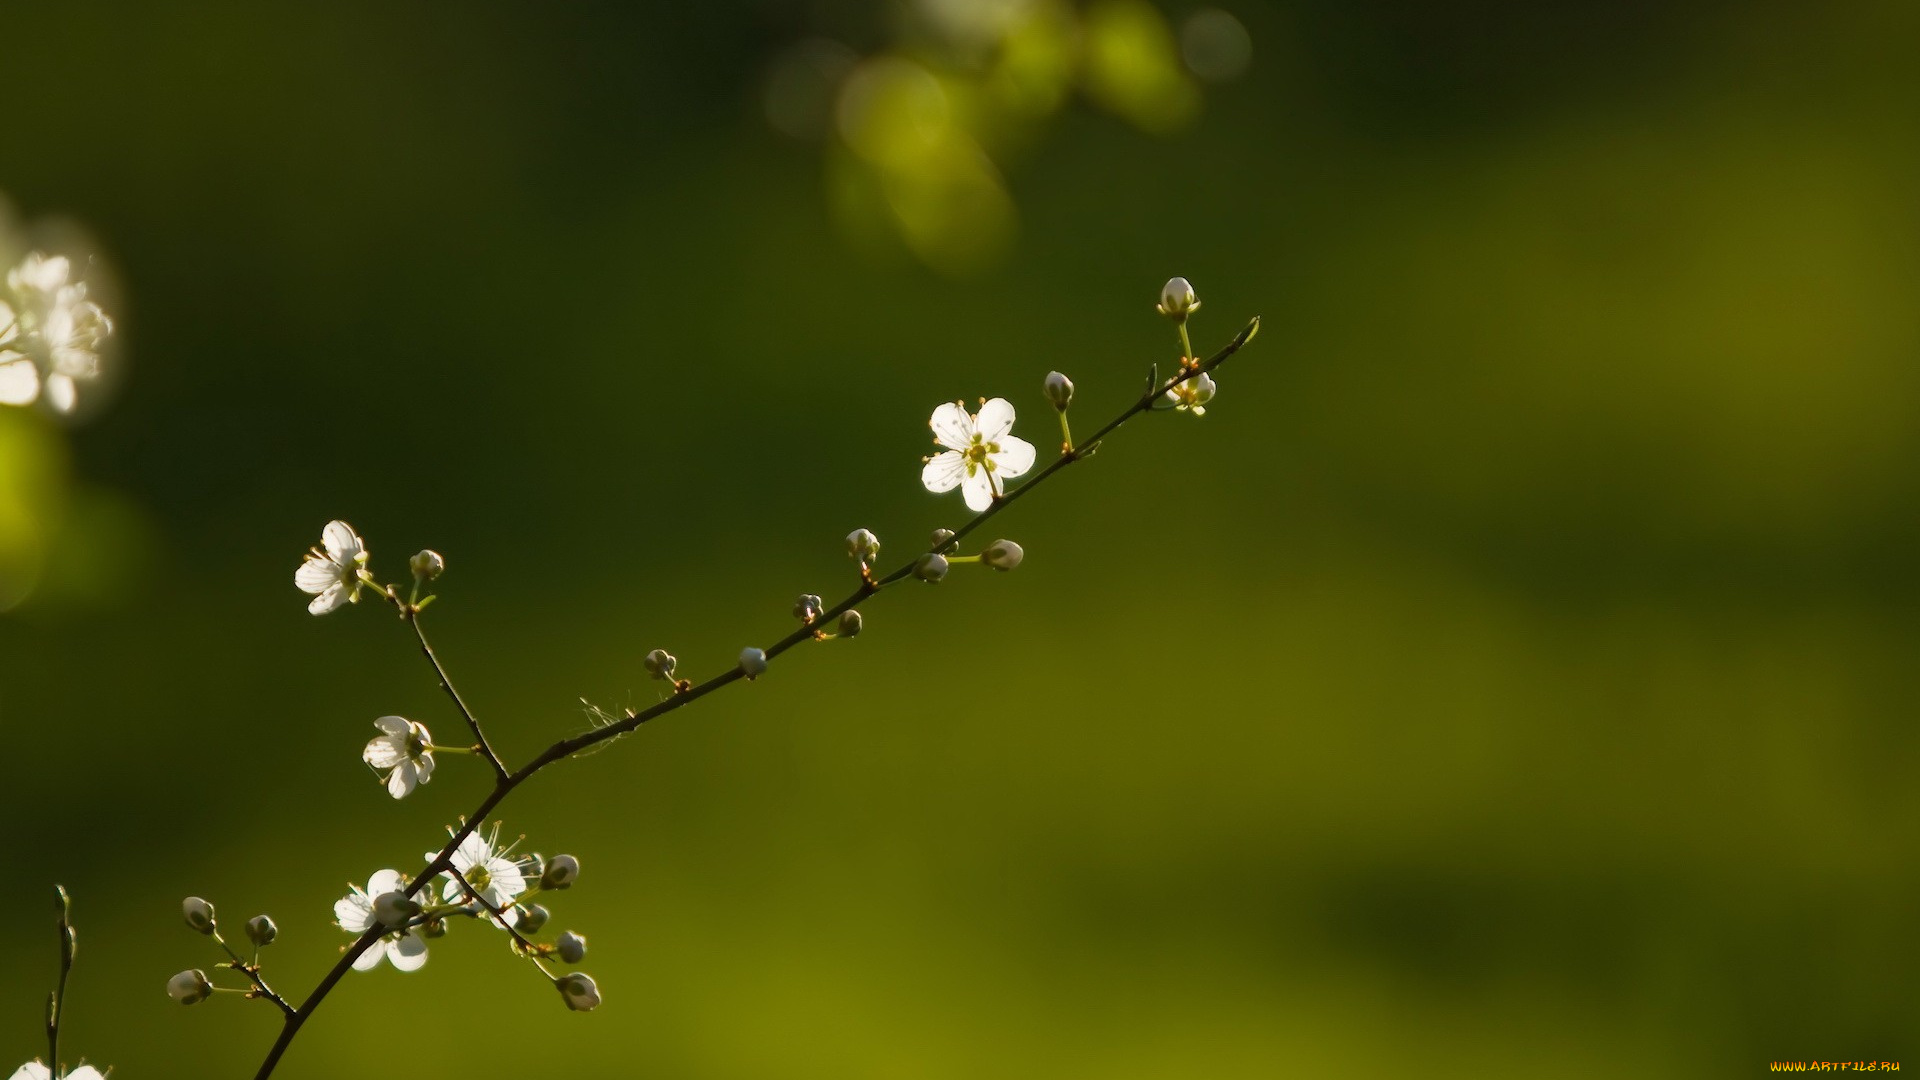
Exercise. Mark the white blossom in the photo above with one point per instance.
(332, 572)
(1191, 395)
(354, 912)
(486, 865)
(33, 1070)
(403, 751)
(980, 456)
(50, 334)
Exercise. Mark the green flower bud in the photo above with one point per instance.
(578, 991)
(862, 545)
(753, 662)
(1059, 390)
(533, 917)
(190, 987)
(570, 947)
(1002, 555)
(940, 537)
(561, 873)
(198, 913)
(1176, 300)
(427, 565)
(930, 568)
(394, 909)
(850, 623)
(659, 663)
(261, 931)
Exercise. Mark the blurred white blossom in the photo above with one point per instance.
(33, 1070)
(980, 457)
(50, 333)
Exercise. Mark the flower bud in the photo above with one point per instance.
(532, 918)
(1002, 555)
(578, 991)
(753, 662)
(394, 909)
(190, 987)
(570, 947)
(930, 568)
(562, 872)
(863, 545)
(1176, 300)
(427, 565)
(659, 664)
(850, 623)
(807, 608)
(941, 536)
(261, 931)
(198, 913)
(1059, 390)
(434, 927)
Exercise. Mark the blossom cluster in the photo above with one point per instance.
(51, 334)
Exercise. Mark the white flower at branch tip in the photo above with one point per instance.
(981, 455)
(1192, 395)
(355, 914)
(331, 572)
(190, 987)
(493, 874)
(579, 991)
(403, 751)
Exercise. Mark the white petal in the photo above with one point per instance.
(19, 385)
(409, 953)
(395, 725)
(370, 959)
(353, 913)
(86, 1072)
(504, 880)
(978, 489)
(424, 766)
(400, 781)
(952, 427)
(943, 473)
(32, 1070)
(385, 881)
(335, 595)
(385, 752)
(315, 574)
(342, 545)
(995, 420)
(61, 392)
(473, 851)
(1014, 458)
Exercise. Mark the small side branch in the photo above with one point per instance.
(411, 613)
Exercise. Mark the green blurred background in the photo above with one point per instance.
(1511, 675)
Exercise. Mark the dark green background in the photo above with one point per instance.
(1512, 675)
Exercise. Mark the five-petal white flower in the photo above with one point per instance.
(354, 912)
(484, 863)
(980, 456)
(404, 751)
(332, 575)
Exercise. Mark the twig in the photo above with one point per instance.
(506, 782)
(411, 613)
